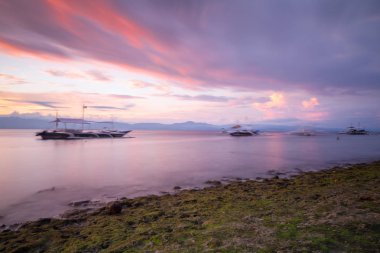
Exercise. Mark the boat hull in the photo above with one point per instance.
(241, 134)
(66, 135)
(46, 135)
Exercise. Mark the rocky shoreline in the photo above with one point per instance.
(331, 210)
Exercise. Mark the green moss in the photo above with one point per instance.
(333, 210)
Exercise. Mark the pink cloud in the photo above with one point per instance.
(11, 79)
(142, 85)
(60, 73)
(311, 103)
(274, 107)
(98, 75)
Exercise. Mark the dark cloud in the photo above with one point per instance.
(47, 104)
(312, 45)
(105, 108)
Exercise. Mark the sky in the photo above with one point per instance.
(222, 62)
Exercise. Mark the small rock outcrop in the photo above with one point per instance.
(114, 208)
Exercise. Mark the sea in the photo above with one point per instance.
(45, 178)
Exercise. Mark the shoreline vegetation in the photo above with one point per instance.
(334, 210)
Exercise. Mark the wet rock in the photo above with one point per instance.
(315, 196)
(189, 201)
(184, 215)
(77, 221)
(47, 190)
(75, 213)
(366, 198)
(43, 221)
(177, 187)
(282, 183)
(213, 182)
(127, 203)
(114, 208)
(137, 203)
(79, 203)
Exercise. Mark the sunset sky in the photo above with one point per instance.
(279, 62)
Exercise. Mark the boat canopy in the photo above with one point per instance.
(71, 121)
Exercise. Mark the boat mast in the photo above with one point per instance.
(56, 120)
(83, 107)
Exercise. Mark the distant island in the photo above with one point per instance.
(20, 122)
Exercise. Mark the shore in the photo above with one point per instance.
(330, 210)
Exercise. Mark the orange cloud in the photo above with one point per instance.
(272, 108)
(277, 100)
(311, 103)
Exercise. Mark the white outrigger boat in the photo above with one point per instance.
(355, 131)
(238, 130)
(65, 133)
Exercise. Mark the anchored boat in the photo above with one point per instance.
(355, 131)
(238, 130)
(65, 133)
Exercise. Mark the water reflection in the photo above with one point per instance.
(155, 161)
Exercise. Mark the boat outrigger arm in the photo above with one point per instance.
(70, 121)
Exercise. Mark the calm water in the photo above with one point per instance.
(153, 161)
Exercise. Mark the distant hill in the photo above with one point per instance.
(22, 123)
(17, 122)
(34, 123)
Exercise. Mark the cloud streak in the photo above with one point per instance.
(47, 104)
(106, 108)
(311, 103)
(99, 76)
(60, 73)
(11, 79)
(314, 46)
(90, 74)
(203, 98)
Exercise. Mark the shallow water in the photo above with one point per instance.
(40, 178)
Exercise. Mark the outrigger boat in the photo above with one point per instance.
(238, 130)
(355, 131)
(64, 134)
